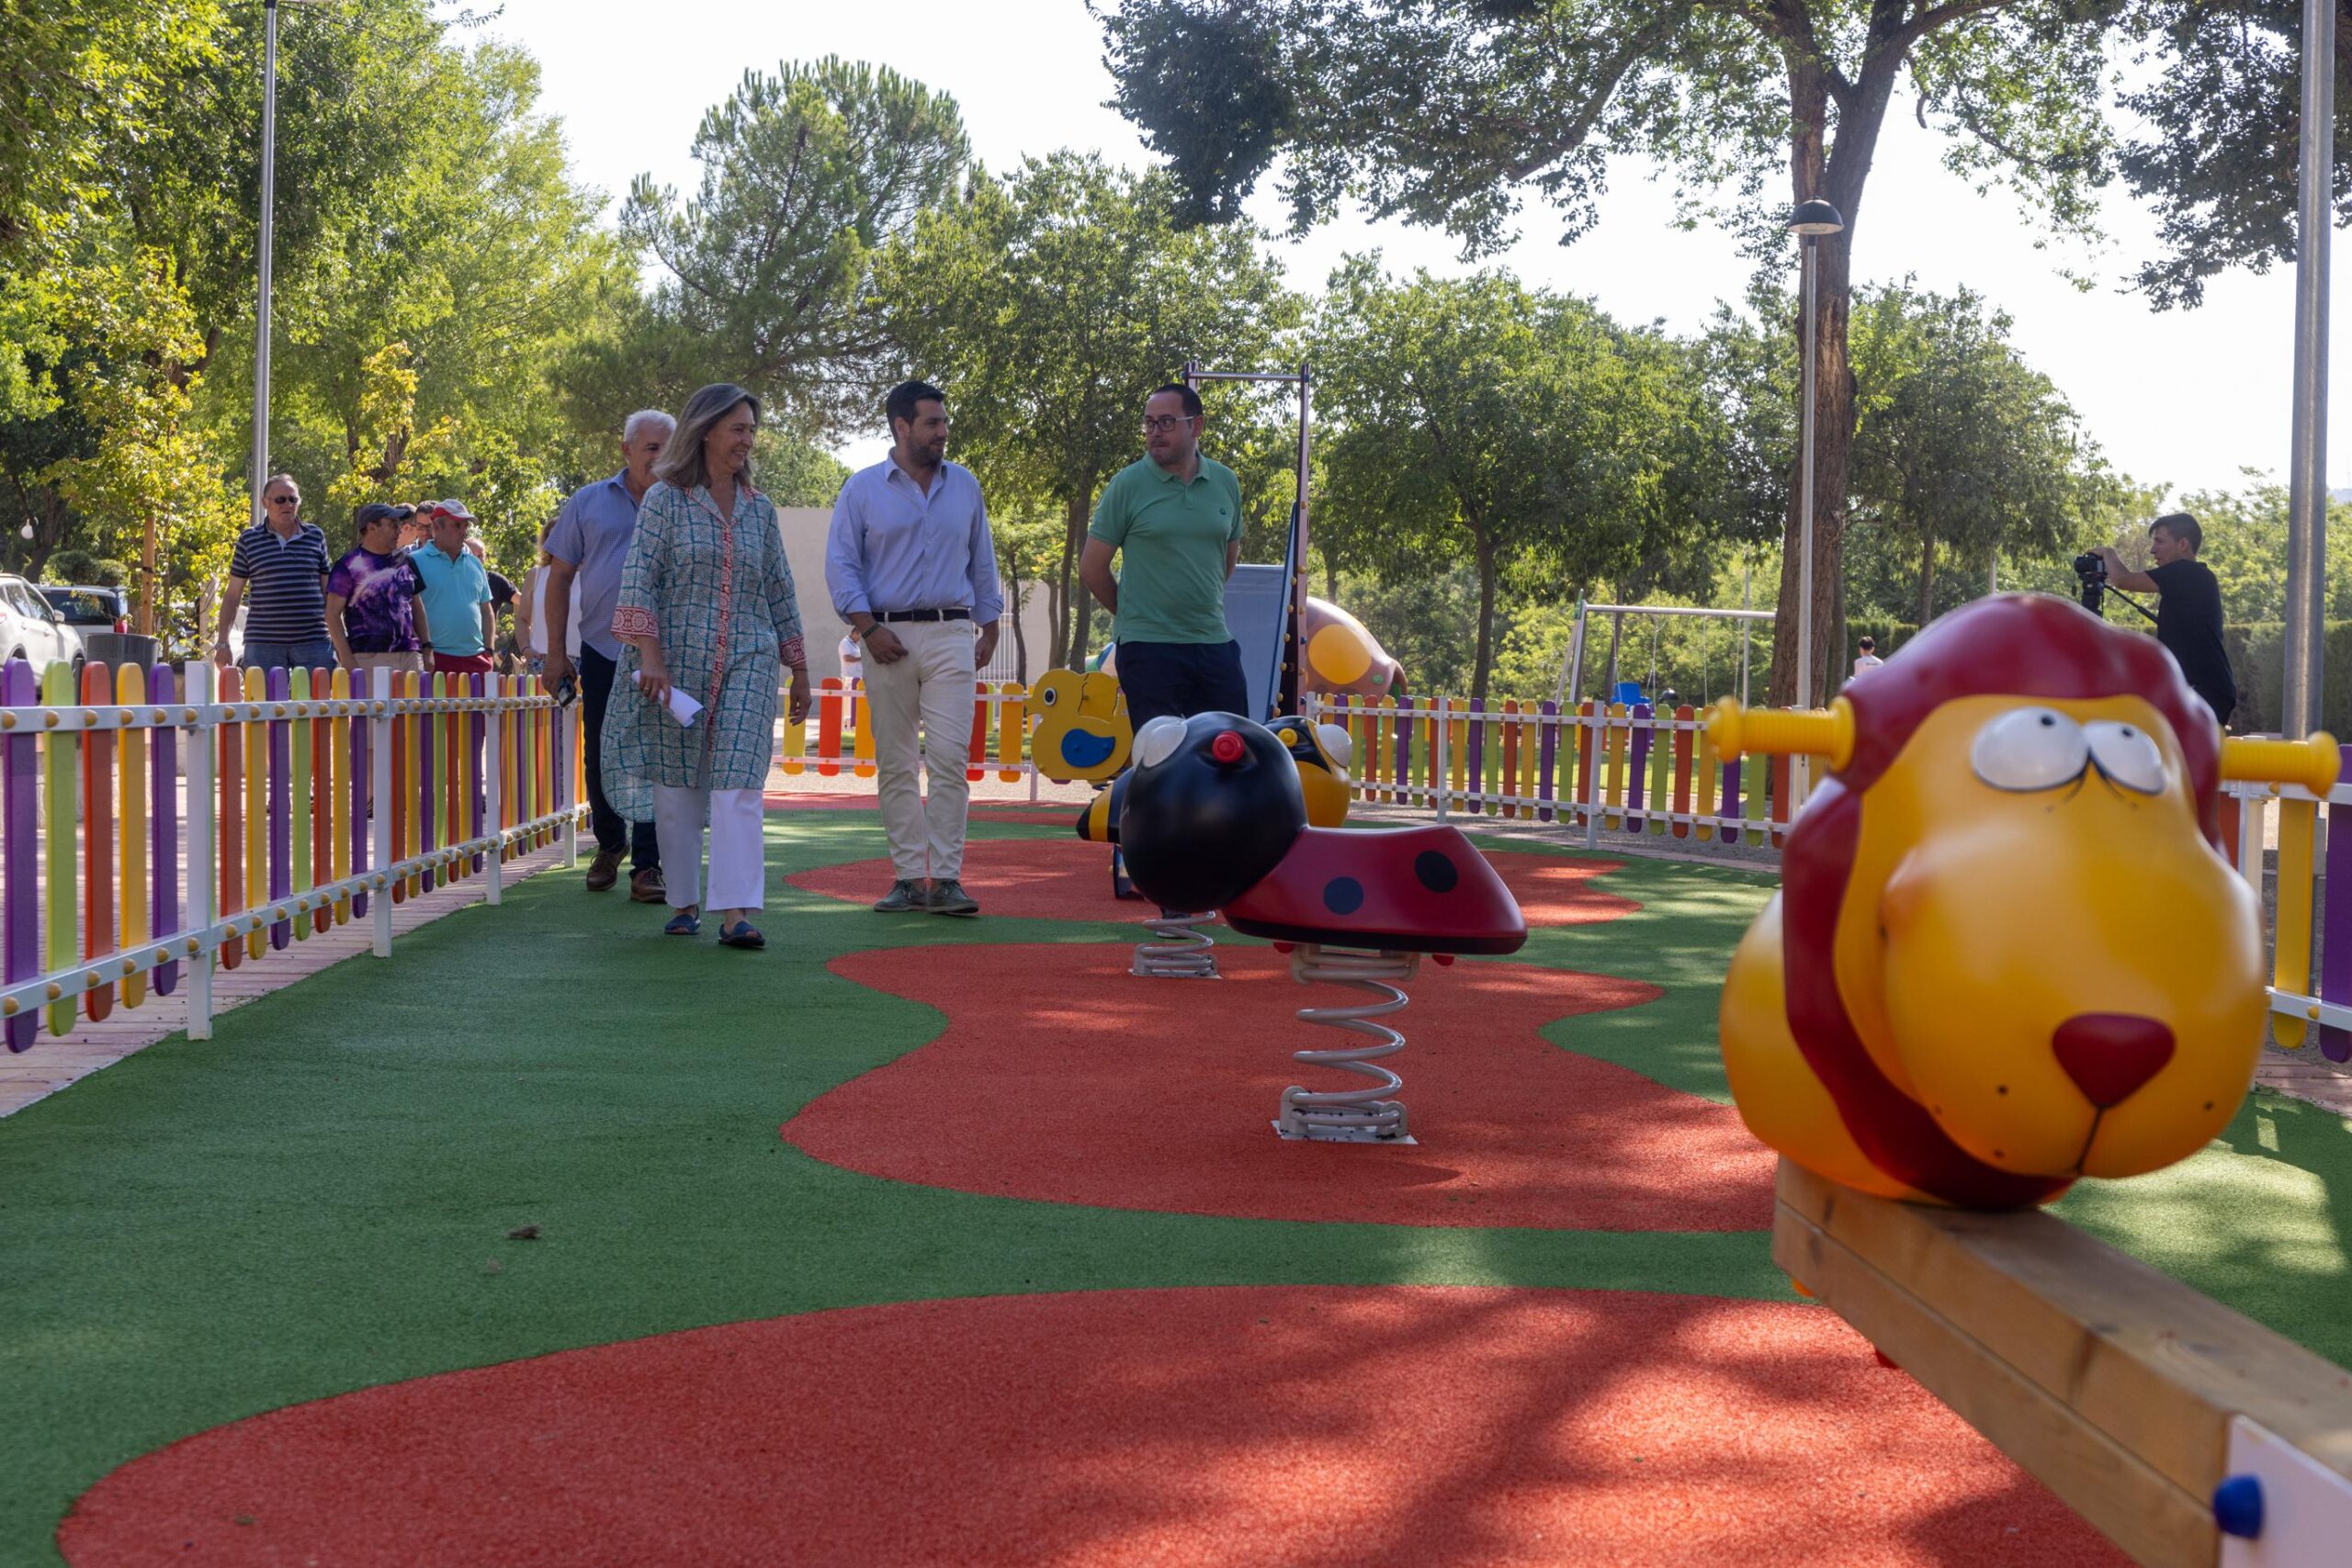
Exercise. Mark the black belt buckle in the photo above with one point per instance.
(886, 615)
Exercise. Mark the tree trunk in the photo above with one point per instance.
(1928, 578)
(1069, 624)
(1485, 654)
(1833, 447)
(1020, 637)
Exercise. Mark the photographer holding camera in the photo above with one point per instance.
(2189, 606)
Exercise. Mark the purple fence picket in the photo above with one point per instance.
(1405, 746)
(1638, 778)
(20, 883)
(2336, 927)
(1550, 759)
(279, 690)
(1727, 804)
(164, 826)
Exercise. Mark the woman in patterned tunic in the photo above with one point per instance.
(707, 606)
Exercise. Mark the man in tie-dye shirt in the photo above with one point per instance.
(371, 597)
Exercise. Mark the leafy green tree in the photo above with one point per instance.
(795, 473)
(146, 484)
(1522, 434)
(1445, 112)
(807, 173)
(1962, 453)
(1046, 305)
(1961, 450)
(2215, 151)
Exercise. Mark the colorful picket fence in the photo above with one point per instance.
(1599, 767)
(2310, 948)
(152, 829)
(837, 736)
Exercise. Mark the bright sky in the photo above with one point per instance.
(2183, 397)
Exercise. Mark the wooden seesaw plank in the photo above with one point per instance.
(2113, 1384)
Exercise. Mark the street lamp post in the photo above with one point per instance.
(1811, 221)
(269, 225)
(2307, 442)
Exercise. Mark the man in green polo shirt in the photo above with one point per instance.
(1175, 517)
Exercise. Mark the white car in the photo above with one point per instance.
(31, 629)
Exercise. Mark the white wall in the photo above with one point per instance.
(804, 545)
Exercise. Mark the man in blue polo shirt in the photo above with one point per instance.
(461, 624)
(589, 544)
(1175, 517)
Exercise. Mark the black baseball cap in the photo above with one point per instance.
(376, 511)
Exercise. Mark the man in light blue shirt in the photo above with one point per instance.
(912, 569)
(457, 613)
(589, 542)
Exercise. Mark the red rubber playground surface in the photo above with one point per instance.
(1064, 1079)
(1071, 879)
(1302, 1425)
(1025, 1278)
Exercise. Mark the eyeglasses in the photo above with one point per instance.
(282, 501)
(1168, 422)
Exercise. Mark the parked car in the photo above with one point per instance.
(31, 629)
(85, 610)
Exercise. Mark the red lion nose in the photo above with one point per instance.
(2110, 1055)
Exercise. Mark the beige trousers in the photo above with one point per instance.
(930, 688)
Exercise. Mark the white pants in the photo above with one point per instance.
(739, 870)
(932, 683)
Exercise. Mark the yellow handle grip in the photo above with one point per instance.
(2312, 762)
(1738, 731)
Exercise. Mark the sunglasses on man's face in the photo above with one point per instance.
(285, 501)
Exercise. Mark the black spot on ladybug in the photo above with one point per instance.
(1343, 895)
(1438, 873)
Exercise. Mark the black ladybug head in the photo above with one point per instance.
(1212, 806)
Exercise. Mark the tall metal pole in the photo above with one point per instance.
(1804, 500)
(268, 228)
(2307, 458)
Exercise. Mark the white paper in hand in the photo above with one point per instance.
(683, 708)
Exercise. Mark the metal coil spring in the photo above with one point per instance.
(1358, 1115)
(1183, 952)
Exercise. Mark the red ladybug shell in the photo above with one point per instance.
(1400, 890)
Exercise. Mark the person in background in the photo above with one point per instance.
(912, 568)
(572, 623)
(285, 562)
(371, 596)
(459, 628)
(1867, 657)
(1174, 518)
(2189, 606)
(707, 600)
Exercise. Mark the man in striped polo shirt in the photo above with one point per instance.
(286, 560)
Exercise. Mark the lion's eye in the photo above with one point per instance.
(1158, 741)
(2128, 755)
(2030, 749)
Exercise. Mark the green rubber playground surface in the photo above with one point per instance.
(319, 1200)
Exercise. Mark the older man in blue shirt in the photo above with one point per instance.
(912, 567)
(588, 543)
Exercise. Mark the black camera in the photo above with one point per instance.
(2090, 575)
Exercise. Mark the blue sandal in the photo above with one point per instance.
(686, 922)
(742, 933)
